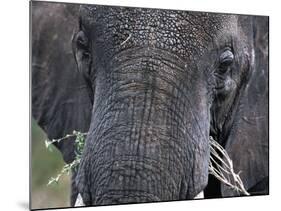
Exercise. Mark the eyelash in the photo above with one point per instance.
(225, 60)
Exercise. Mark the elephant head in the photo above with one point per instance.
(150, 87)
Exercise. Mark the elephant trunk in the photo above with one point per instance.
(147, 141)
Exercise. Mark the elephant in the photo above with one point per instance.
(52, 26)
(150, 86)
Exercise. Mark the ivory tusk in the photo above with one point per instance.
(79, 201)
(200, 195)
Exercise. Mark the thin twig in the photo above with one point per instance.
(126, 39)
(234, 181)
(79, 145)
(48, 143)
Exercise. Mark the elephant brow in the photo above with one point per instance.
(150, 52)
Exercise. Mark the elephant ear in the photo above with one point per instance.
(247, 144)
(60, 100)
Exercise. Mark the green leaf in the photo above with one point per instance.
(47, 143)
(79, 145)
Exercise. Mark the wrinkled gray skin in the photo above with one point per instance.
(150, 87)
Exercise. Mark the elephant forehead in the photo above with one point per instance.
(182, 32)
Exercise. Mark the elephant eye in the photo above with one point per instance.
(226, 59)
(82, 41)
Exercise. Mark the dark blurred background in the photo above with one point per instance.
(46, 164)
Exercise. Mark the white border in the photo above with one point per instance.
(14, 112)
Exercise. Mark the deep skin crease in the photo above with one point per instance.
(148, 140)
(150, 86)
